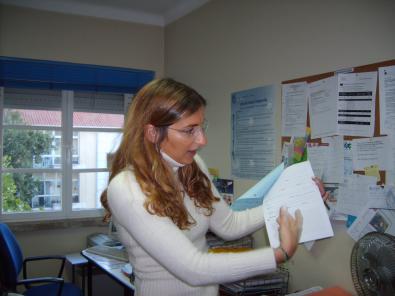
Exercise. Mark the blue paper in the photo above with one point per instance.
(255, 195)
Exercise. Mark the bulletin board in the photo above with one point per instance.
(358, 69)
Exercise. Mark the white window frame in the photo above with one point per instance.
(66, 170)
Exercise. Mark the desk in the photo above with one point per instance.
(111, 267)
(76, 260)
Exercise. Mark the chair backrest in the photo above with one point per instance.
(11, 257)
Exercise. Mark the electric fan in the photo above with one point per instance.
(373, 265)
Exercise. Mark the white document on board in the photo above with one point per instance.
(318, 155)
(294, 109)
(295, 189)
(353, 194)
(334, 172)
(327, 159)
(323, 107)
(372, 220)
(348, 171)
(356, 103)
(390, 173)
(371, 151)
(387, 99)
(381, 197)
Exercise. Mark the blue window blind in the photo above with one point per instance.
(41, 74)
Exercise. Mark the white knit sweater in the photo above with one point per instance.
(170, 261)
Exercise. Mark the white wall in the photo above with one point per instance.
(230, 45)
(29, 33)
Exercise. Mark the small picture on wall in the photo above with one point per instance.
(225, 188)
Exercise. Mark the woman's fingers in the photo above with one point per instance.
(299, 222)
(289, 229)
(319, 184)
(285, 217)
(298, 217)
(289, 223)
(284, 213)
(324, 194)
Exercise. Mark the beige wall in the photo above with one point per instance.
(29, 33)
(230, 45)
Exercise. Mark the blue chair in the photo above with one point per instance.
(12, 263)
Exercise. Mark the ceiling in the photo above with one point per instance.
(152, 12)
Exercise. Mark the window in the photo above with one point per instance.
(55, 150)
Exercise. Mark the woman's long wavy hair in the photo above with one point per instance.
(161, 103)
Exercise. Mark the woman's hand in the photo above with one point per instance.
(324, 194)
(290, 229)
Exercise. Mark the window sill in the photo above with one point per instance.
(56, 224)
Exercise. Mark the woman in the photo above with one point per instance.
(163, 202)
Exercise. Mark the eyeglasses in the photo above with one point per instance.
(193, 131)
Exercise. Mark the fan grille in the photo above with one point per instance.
(373, 265)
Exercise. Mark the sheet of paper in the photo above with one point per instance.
(253, 132)
(294, 109)
(334, 172)
(390, 173)
(323, 107)
(371, 151)
(387, 99)
(318, 156)
(353, 194)
(327, 159)
(372, 220)
(295, 189)
(333, 189)
(390, 177)
(356, 103)
(255, 195)
(381, 197)
(348, 158)
(287, 153)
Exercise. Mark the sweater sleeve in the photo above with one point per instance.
(227, 223)
(231, 225)
(169, 246)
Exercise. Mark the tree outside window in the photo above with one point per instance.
(21, 148)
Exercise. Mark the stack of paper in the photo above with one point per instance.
(293, 188)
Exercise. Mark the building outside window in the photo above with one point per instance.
(55, 150)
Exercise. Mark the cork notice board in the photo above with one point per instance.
(358, 69)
